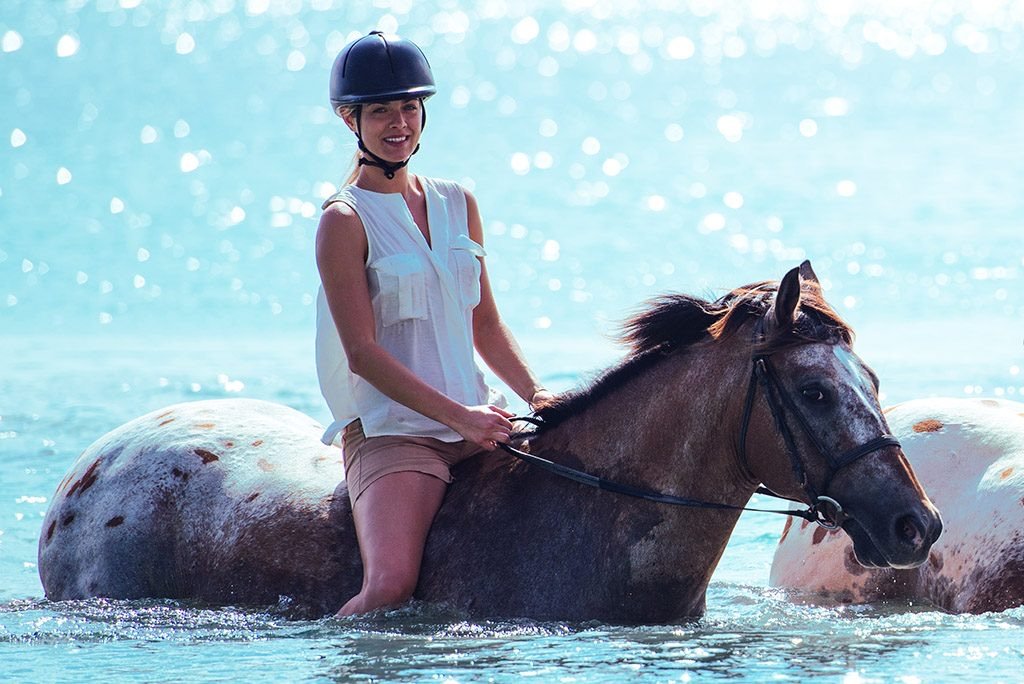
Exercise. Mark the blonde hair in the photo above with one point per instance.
(353, 172)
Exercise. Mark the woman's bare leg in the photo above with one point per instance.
(392, 517)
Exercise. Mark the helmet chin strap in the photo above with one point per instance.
(389, 168)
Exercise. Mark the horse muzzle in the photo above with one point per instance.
(902, 541)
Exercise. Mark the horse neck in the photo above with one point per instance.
(673, 428)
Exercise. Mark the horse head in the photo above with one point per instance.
(821, 436)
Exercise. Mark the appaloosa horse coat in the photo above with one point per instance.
(969, 454)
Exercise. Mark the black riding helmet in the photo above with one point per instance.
(378, 68)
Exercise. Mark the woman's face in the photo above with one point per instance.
(391, 130)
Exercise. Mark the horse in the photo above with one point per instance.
(235, 502)
(969, 454)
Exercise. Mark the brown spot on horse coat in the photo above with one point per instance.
(179, 474)
(265, 465)
(785, 530)
(228, 444)
(935, 561)
(205, 426)
(87, 480)
(930, 425)
(164, 415)
(68, 519)
(207, 456)
(818, 535)
(115, 521)
(252, 497)
(169, 420)
(1006, 473)
(804, 523)
(257, 443)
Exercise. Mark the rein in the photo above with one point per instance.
(825, 511)
(590, 480)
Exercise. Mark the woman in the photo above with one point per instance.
(404, 301)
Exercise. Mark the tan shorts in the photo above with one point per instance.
(368, 459)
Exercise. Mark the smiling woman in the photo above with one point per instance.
(405, 303)
(374, 78)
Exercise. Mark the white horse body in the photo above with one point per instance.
(232, 491)
(969, 456)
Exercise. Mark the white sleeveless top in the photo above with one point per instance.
(423, 298)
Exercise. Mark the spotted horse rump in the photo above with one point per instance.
(969, 456)
(219, 501)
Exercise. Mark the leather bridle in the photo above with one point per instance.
(780, 403)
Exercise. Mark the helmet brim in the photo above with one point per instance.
(418, 93)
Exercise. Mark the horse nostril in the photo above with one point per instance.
(909, 532)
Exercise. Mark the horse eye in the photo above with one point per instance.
(813, 394)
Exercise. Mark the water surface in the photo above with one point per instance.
(161, 169)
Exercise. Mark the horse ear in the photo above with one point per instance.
(787, 299)
(807, 273)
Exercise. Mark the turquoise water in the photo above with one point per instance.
(161, 168)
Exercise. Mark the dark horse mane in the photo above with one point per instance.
(675, 322)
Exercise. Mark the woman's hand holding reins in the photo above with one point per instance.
(486, 426)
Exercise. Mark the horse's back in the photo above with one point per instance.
(969, 456)
(223, 500)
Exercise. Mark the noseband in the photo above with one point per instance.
(827, 511)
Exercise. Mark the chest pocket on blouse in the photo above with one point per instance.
(402, 284)
(465, 260)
